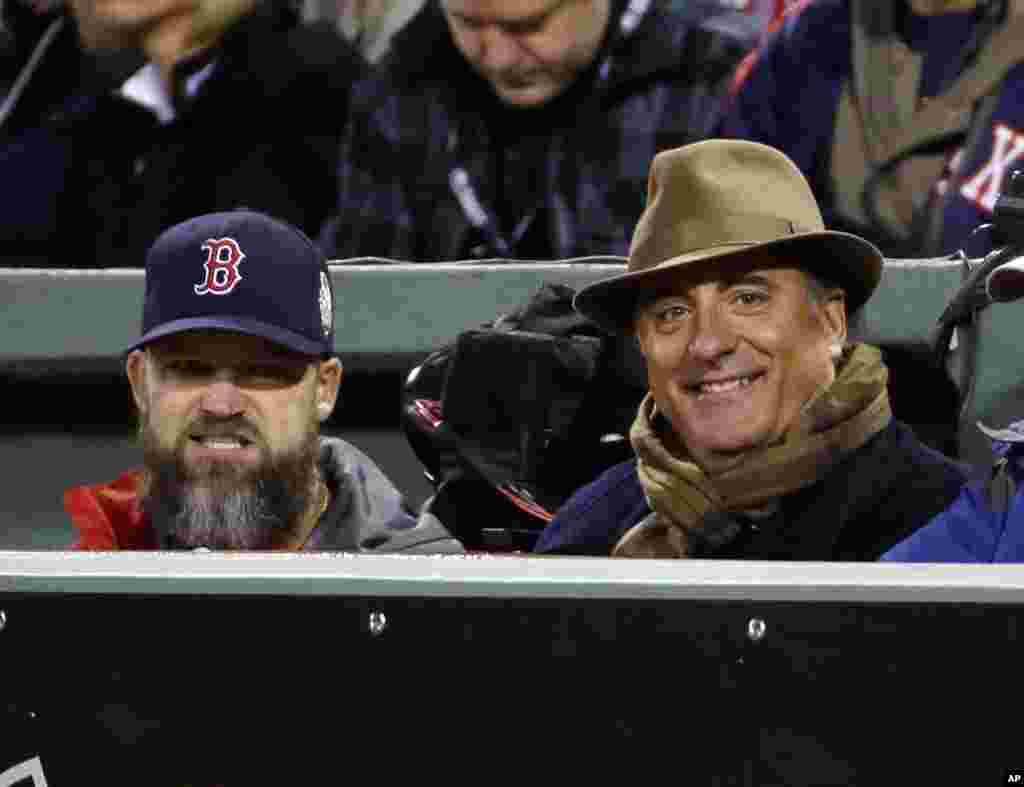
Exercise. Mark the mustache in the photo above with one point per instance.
(236, 426)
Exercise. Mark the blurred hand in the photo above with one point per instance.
(180, 25)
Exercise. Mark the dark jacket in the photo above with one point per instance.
(103, 177)
(45, 64)
(875, 497)
(426, 124)
(51, 78)
(788, 97)
(366, 512)
(985, 524)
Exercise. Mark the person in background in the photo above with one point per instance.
(903, 114)
(985, 524)
(232, 376)
(371, 24)
(524, 128)
(42, 62)
(766, 434)
(232, 103)
(43, 65)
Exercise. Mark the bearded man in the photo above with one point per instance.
(233, 375)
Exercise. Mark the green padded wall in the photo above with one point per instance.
(391, 309)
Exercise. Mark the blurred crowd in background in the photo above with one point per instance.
(437, 130)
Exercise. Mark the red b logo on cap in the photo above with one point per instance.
(223, 256)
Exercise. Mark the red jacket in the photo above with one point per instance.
(366, 513)
(107, 516)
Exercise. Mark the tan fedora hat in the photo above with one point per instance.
(727, 200)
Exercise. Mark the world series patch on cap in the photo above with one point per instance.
(243, 272)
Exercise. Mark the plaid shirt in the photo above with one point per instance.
(417, 138)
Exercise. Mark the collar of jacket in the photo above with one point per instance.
(852, 492)
(646, 41)
(811, 522)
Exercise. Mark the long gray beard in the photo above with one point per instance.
(232, 510)
(254, 518)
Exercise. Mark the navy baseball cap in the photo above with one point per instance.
(242, 272)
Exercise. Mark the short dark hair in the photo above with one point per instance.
(820, 287)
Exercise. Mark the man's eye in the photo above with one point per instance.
(671, 313)
(526, 28)
(468, 24)
(751, 298)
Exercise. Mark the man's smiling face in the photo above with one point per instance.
(733, 358)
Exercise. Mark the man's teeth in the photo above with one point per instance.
(220, 442)
(725, 385)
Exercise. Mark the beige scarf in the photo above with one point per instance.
(840, 420)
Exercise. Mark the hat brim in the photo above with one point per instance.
(272, 333)
(848, 260)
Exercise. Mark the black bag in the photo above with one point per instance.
(511, 418)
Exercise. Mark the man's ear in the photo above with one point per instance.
(833, 315)
(329, 374)
(137, 368)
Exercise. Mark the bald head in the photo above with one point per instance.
(530, 51)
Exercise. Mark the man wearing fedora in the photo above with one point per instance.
(764, 433)
(233, 375)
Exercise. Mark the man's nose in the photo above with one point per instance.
(712, 337)
(222, 398)
(499, 51)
